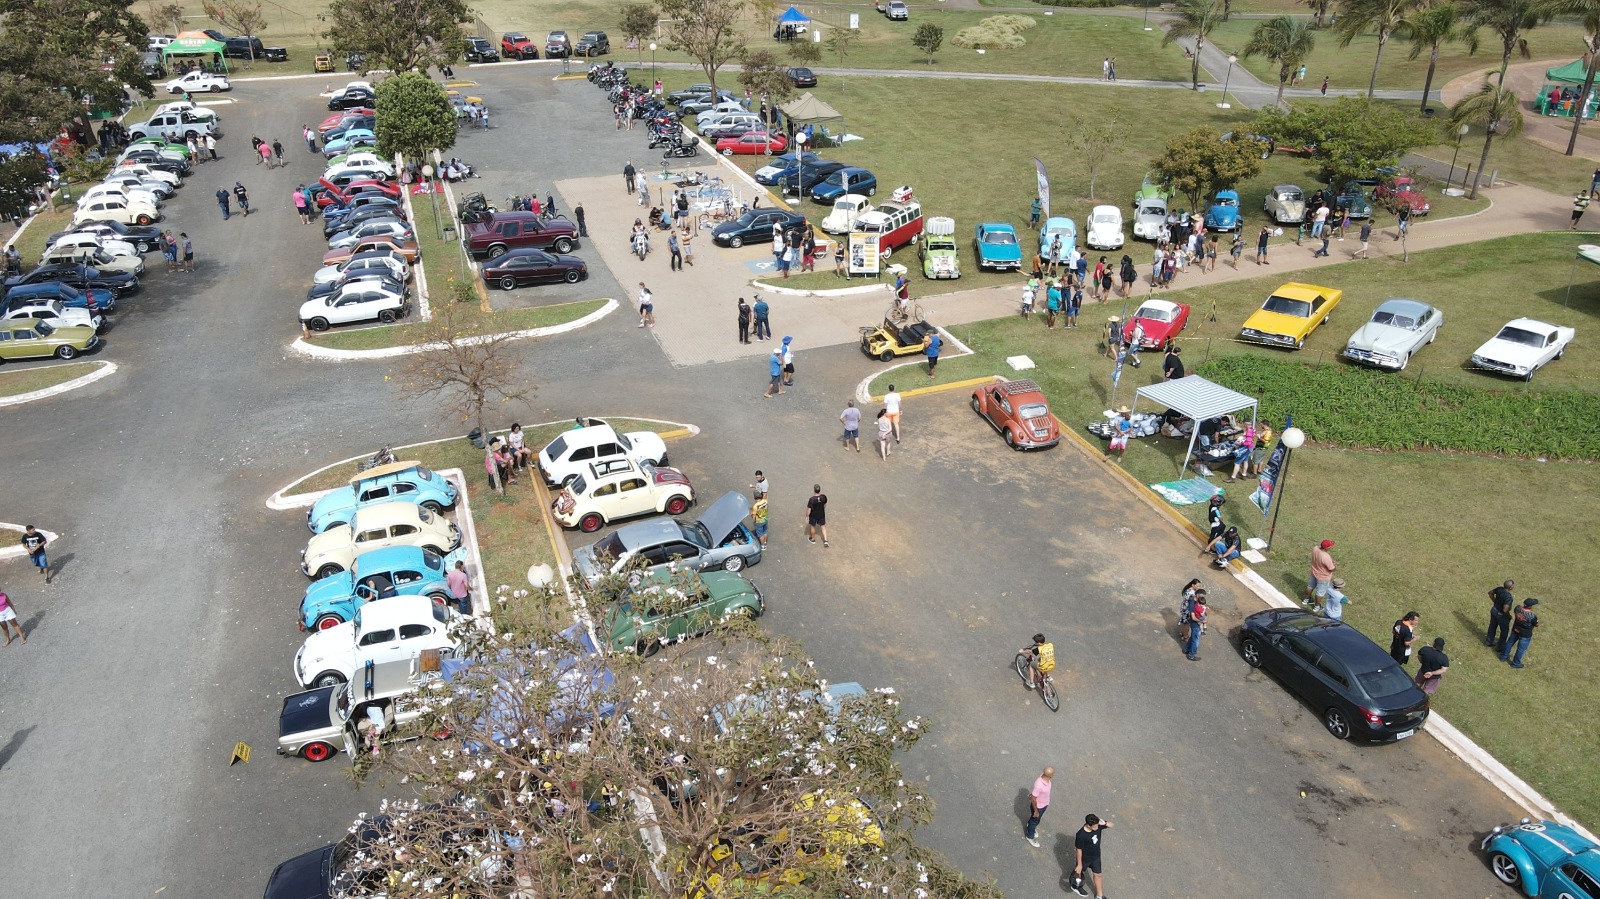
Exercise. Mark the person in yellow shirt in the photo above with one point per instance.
(1044, 658)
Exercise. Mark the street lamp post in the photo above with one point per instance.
(1293, 438)
(652, 62)
(1461, 134)
(1227, 81)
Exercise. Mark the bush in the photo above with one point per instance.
(1356, 407)
(995, 33)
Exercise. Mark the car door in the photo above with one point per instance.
(379, 646)
(998, 408)
(372, 538)
(405, 490)
(405, 577)
(9, 348)
(374, 494)
(538, 270)
(1300, 660)
(402, 534)
(633, 497)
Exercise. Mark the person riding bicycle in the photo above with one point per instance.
(1044, 658)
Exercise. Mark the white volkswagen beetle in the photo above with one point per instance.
(846, 210)
(1105, 229)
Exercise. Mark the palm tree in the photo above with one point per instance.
(1589, 12)
(1357, 17)
(1429, 29)
(1196, 19)
(1285, 40)
(1494, 109)
(1509, 21)
(1320, 7)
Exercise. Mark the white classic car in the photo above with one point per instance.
(1105, 229)
(374, 527)
(846, 210)
(619, 488)
(55, 313)
(1523, 346)
(1399, 327)
(400, 627)
(1285, 204)
(1148, 217)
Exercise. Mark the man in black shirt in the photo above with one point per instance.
(33, 542)
(1432, 663)
(1171, 366)
(1522, 624)
(1501, 604)
(1405, 632)
(1087, 846)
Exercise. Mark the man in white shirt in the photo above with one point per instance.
(891, 402)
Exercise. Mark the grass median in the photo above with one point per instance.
(15, 383)
(1429, 530)
(410, 333)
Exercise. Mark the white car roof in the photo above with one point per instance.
(382, 514)
(1165, 305)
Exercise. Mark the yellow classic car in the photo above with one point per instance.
(1289, 316)
(29, 338)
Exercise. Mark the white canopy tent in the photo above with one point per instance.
(1199, 399)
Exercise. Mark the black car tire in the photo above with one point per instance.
(328, 570)
(1505, 869)
(436, 550)
(1011, 439)
(386, 316)
(65, 352)
(647, 648)
(888, 356)
(573, 276)
(328, 679)
(1251, 650)
(508, 283)
(1337, 723)
(563, 245)
(496, 251)
(736, 242)
(318, 324)
(734, 563)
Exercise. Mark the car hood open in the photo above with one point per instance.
(724, 516)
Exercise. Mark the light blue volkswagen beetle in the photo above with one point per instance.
(1544, 860)
(379, 574)
(403, 481)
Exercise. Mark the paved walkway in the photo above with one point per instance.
(1525, 79)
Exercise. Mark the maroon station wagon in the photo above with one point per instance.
(1019, 411)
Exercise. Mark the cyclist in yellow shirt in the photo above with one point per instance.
(1044, 658)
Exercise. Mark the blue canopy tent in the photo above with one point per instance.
(791, 25)
(793, 17)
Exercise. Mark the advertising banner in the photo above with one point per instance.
(1044, 187)
(863, 256)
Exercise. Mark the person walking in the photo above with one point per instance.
(1261, 245)
(265, 149)
(188, 251)
(583, 224)
(1501, 607)
(460, 587)
(891, 410)
(788, 360)
(211, 147)
(1333, 606)
(1432, 663)
(628, 172)
(1086, 846)
(1580, 202)
(1038, 801)
(647, 307)
(1323, 249)
(255, 148)
(851, 418)
(300, 205)
(243, 198)
(687, 240)
(932, 343)
(744, 321)
(1052, 305)
(774, 373)
(675, 263)
(817, 515)
(33, 543)
(885, 430)
(310, 137)
(9, 619)
(1325, 85)
(1121, 427)
(1366, 238)
(1405, 633)
(1197, 626)
(1322, 569)
(277, 151)
(763, 325)
(222, 202)
(1522, 625)
(1236, 250)
(1402, 222)
(1128, 274)
(1214, 519)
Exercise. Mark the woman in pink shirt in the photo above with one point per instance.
(8, 620)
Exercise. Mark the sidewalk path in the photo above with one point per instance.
(1524, 79)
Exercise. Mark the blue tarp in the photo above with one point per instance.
(14, 149)
(793, 17)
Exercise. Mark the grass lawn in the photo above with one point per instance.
(511, 530)
(1351, 67)
(1520, 160)
(30, 244)
(442, 260)
(1439, 555)
(493, 322)
(28, 380)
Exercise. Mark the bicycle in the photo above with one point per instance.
(1046, 685)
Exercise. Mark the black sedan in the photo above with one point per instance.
(320, 873)
(143, 237)
(80, 276)
(526, 265)
(755, 226)
(1357, 688)
(351, 97)
(800, 76)
(156, 160)
(806, 177)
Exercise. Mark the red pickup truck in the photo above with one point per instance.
(502, 231)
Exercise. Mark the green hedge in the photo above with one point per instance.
(1357, 407)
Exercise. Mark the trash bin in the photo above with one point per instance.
(476, 436)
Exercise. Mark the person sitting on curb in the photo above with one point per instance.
(1225, 548)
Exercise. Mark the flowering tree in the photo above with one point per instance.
(720, 768)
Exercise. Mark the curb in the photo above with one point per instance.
(864, 395)
(840, 292)
(15, 551)
(305, 348)
(106, 370)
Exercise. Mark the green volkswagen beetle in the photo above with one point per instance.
(666, 606)
(29, 338)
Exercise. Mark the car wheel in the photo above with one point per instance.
(647, 648)
(324, 622)
(1404, 362)
(743, 612)
(977, 405)
(328, 679)
(434, 549)
(1561, 352)
(1505, 869)
(318, 324)
(328, 570)
(432, 506)
(386, 316)
(733, 563)
(563, 245)
(496, 251)
(677, 505)
(142, 246)
(1299, 344)
(144, 219)
(65, 352)
(442, 599)
(1011, 439)
(872, 191)
(1251, 650)
(1337, 723)
(591, 523)
(573, 277)
(736, 242)
(886, 356)
(886, 252)
(316, 752)
(728, 152)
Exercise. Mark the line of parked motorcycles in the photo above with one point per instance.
(661, 121)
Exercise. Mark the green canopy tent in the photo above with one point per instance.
(199, 46)
(1572, 73)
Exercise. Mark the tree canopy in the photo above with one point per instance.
(414, 117)
(399, 35)
(1353, 135)
(1199, 162)
(51, 53)
(762, 74)
(706, 30)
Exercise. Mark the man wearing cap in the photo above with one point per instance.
(1522, 625)
(788, 361)
(1322, 568)
(1333, 605)
(1121, 427)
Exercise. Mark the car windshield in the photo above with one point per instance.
(1390, 680)
(432, 559)
(424, 515)
(697, 534)
(999, 237)
(1225, 201)
(1153, 209)
(1102, 220)
(1520, 336)
(837, 178)
(1286, 306)
(1034, 410)
(1394, 320)
(44, 329)
(1154, 313)
(845, 205)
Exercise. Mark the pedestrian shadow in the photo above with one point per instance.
(32, 624)
(14, 744)
(1174, 626)
(58, 563)
(1023, 806)
(1478, 627)
(1066, 853)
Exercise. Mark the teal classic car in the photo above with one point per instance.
(406, 481)
(667, 606)
(995, 244)
(378, 574)
(1354, 199)
(1544, 860)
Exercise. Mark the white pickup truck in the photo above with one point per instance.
(895, 9)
